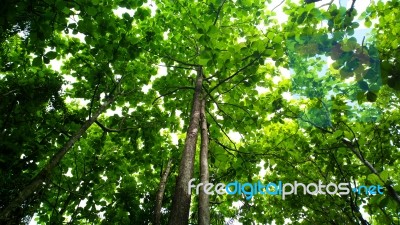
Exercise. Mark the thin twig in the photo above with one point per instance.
(236, 73)
(327, 4)
(218, 12)
(181, 67)
(171, 92)
(278, 5)
(220, 127)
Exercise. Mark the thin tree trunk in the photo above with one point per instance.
(181, 201)
(204, 210)
(160, 193)
(392, 193)
(40, 178)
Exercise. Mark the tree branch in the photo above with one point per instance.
(351, 7)
(327, 4)
(182, 62)
(238, 106)
(181, 67)
(94, 94)
(392, 193)
(38, 181)
(171, 92)
(236, 73)
(105, 129)
(278, 5)
(220, 127)
(218, 12)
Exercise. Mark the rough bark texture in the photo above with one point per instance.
(204, 211)
(40, 178)
(160, 193)
(181, 201)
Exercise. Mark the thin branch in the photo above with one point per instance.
(238, 106)
(110, 130)
(220, 127)
(234, 86)
(66, 190)
(362, 46)
(307, 121)
(171, 92)
(351, 7)
(227, 148)
(392, 193)
(189, 14)
(105, 129)
(235, 24)
(94, 94)
(181, 67)
(233, 75)
(353, 203)
(221, 110)
(218, 12)
(12, 91)
(327, 4)
(278, 5)
(181, 62)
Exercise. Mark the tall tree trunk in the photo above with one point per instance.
(160, 193)
(181, 201)
(40, 178)
(204, 211)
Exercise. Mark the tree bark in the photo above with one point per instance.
(204, 210)
(40, 178)
(392, 193)
(181, 201)
(160, 193)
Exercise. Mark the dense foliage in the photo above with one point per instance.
(96, 99)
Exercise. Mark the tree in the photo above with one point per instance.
(98, 72)
(160, 193)
(204, 202)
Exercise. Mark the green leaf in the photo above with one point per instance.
(374, 179)
(395, 43)
(368, 23)
(51, 55)
(337, 134)
(66, 11)
(91, 11)
(212, 30)
(371, 96)
(384, 175)
(277, 39)
(270, 35)
(269, 52)
(360, 97)
(46, 60)
(37, 61)
(363, 85)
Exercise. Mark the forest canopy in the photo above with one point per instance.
(113, 111)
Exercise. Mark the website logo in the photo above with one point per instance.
(283, 189)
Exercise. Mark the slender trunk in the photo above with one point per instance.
(181, 201)
(160, 193)
(392, 193)
(40, 178)
(204, 210)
